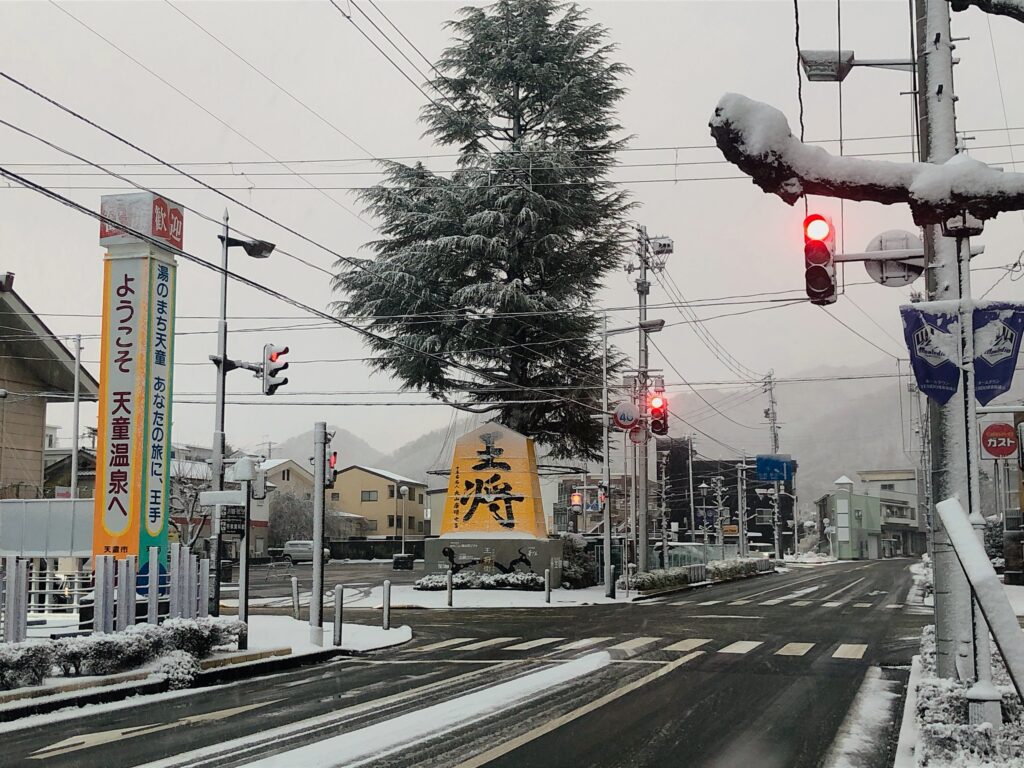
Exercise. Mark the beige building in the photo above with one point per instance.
(375, 494)
(35, 369)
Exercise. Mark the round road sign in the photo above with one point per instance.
(999, 441)
(638, 435)
(894, 274)
(626, 415)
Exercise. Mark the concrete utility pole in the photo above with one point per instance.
(606, 476)
(74, 417)
(217, 450)
(773, 424)
(960, 651)
(316, 598)
(693, 517)
(643, 288)
(741, 502)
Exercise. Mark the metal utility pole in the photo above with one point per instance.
(316, 597)
(773, 424)
(74, 417)
(217, 451)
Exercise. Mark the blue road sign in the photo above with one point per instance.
(775, 467)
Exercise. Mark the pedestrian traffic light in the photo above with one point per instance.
(659, 415)
(331, 470)
(819, 259)
(272, 365)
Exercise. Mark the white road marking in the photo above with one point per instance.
(487, 643)
(776, 601)
(441, 644)
(632, 645)
(801, 602)
(834, 604)
(740, 602)
(862, 605)
(683, 602)
(794, 649)
(710, 602)
(725, 616)
(534, 643)
(741, 646)
(690, 644)
(894, 605)
(843, 589)
(849, 651)
(584, 643)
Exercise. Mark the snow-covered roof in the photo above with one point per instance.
(385, 474)
(191, 470)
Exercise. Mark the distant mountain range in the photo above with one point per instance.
(833, 420)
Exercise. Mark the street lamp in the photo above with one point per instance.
(834, 66)
(647, 326)
(257, 249)
(404, 490)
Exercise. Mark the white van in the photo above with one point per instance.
(301, 552)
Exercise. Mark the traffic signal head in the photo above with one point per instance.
(819, 259)
(272, 365)
(659, 414)
(331, 470)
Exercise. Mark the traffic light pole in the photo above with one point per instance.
(774, 425)
(316, 597)
(217, 453)
(643, 287)
(606, 478)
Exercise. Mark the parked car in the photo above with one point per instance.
(302, 552)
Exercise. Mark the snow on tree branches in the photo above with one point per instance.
(756, 138)
(1012, 8)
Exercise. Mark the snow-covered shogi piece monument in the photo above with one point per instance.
(494, 518)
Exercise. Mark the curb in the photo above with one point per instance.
(688, 587)
(42, 706)
(905, 757)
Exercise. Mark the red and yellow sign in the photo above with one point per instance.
(494, 487)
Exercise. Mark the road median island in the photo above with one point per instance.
(673, 580)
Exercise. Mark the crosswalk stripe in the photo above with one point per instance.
(710, 602)
(850, 651)
(776, 601)
(632, 645)
(682, 602)
(894, 605)
(801, 602)
(862, 605)
(834, 603)
(688, 644)
(739, 602)
(534, 644)
(584, 643)
(740, 646)
(442, 644)
(487, 643)
(794, 649)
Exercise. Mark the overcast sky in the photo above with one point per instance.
(731, 239)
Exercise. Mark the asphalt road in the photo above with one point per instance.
(754, 674)
(275, 580)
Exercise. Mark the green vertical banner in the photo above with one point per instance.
(157, 445)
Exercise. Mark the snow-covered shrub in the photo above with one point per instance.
(657, 579)
(200, 636)
(475, 580)
(179, 667)
(579, 564)
(25, 663)
(737, 568)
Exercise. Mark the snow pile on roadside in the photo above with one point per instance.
(1015, 594)
(947, 740)
(284, 631)
(922, 591)
(810, 557)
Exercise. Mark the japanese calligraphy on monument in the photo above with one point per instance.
(494, 486)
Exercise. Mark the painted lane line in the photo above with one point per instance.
(794, 649)
(850, 651)
(894, 605)
(725, 616)
(690, 644)
(710, 602)
(843, 589)
(790, 585)
(441, 644)
(801, 603)
(534, 643)
(682, 602)
(584, 643)
(503, 749)
(741, 646)
(834, 604)
(862, 605)
(487, 643)
(740, 602)
(370, 743)
(632, 645)
(776, 601)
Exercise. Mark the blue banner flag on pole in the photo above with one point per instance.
(933, 338)
(997, 333)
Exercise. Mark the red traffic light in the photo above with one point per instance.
(817, 227)
(657, 402)
(332, 459)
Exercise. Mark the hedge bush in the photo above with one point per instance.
(579, 566)
(475, 580)
(105, 654)
(666, 578)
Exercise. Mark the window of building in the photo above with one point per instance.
(391, 491)
(335, 497)
(412, 523)
(367, 495)
(419, 526)
(421, 499)
(371, 525)
(888, 486)
(286, 475)
(391, 521)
